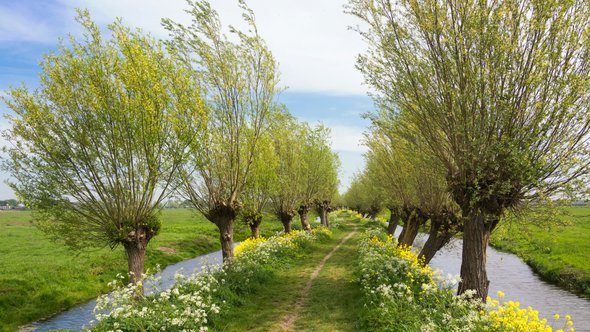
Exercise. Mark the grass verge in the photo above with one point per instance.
(558, 252)
(332, 300)
(39, 278)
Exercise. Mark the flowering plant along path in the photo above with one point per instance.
(319, 293)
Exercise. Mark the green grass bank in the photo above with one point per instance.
(39, 278)
(557, 251)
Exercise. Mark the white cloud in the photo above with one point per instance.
(16, 25)
(309, 38)
(349, 139)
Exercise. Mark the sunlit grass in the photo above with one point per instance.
(558, 252)
(39, 278)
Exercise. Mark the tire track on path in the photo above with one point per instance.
(288, 321)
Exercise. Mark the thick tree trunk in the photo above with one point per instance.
(255, 226)
(473, 263)
(135, 247)
(324, 216)
(437, 239)
(303, 212)
(286, 219)
(410, 231)
(226, 236)
(393, 221)
(223, 216)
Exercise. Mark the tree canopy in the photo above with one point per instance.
(240, 85)
(94, 150)
(498, 92)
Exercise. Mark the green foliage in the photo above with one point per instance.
(496, 91)
(287, 142)
(501, 99)
(39, 278)
(262, 182)
(319, 166)
(240, 82)
(94, 149)
(364, 195)
(197, 302)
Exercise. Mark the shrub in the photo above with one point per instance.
(193, 302)
(401, 293)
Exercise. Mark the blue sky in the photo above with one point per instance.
(309, 38)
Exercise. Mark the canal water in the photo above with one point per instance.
(79, 317)
(510, 274)
(507, 273)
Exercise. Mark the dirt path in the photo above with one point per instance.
(288, 321)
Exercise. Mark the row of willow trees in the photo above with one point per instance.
(120, 124)
(482, 106)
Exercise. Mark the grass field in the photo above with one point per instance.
(39, 278)
(559, 252)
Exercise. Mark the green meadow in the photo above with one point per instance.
(39, 278)
(557, 251)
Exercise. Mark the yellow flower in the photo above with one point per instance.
(501, 294)
(556, 316)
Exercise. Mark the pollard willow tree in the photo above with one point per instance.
(285, 198)
(319, 170)
(240, 84)
(413, 181)
(94, 150)
(329, 166)
(394, 164)
(260, 185)
(363, 196)
(499, 91)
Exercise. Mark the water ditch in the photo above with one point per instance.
(507, 273)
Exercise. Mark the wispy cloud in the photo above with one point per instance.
(309, 38)
(16, 26)
(31, 21)
(347, 138)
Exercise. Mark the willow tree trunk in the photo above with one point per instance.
(135, 246)
(373, 214)
(411, 231)
(286, 219)
(411, 228)
(303, 215)
(324, 216)
(476, 235)
(393, 221)
(226, 236)
(437, 238)
(254, 224)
